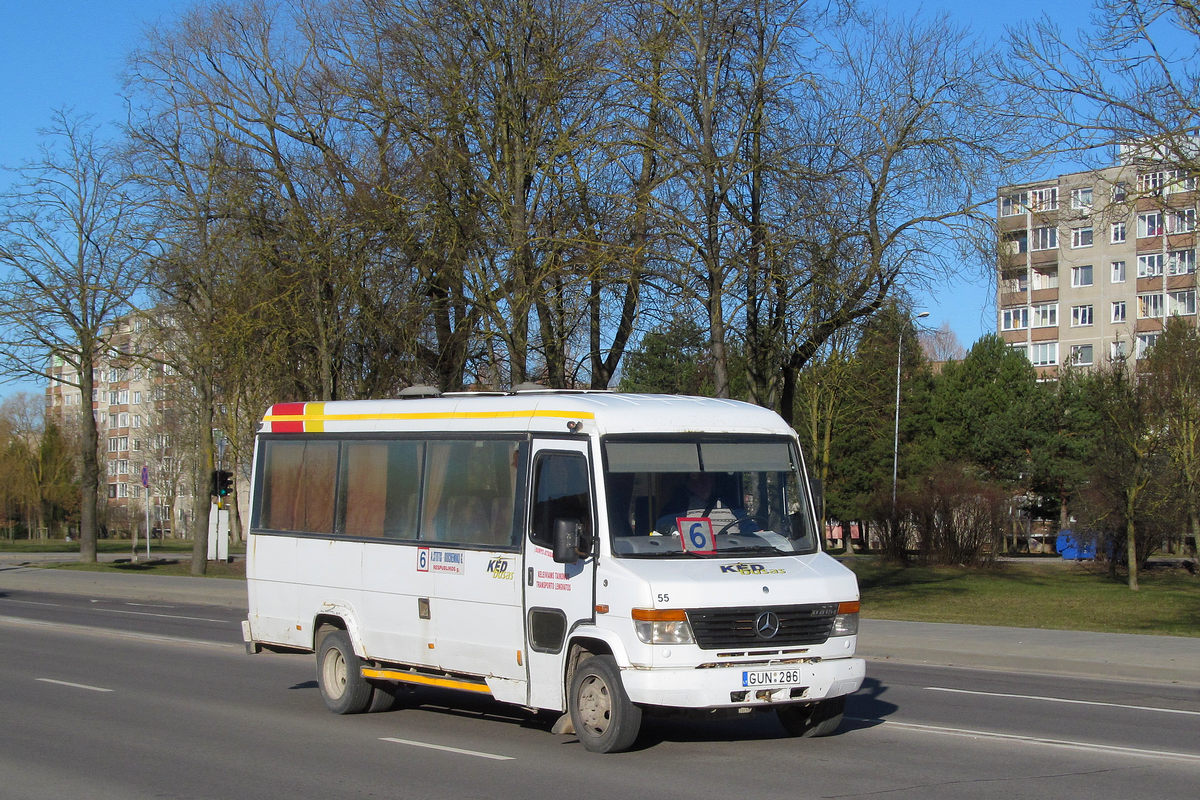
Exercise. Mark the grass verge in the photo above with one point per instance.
(159, 565)
(1031, 595)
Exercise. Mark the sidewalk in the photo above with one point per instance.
(1121, 656)
(223, 592)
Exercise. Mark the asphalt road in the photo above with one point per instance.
(103, 697)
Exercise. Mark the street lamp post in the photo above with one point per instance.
(896, 436)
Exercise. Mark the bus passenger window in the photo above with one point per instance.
(470, 492)
(380, 485)
(298, 490)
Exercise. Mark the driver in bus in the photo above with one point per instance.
(701, 496)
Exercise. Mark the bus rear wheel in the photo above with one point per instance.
(605, 719)
(339, 674)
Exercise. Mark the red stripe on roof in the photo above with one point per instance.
(287, 409)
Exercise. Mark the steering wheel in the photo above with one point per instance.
(761, 521)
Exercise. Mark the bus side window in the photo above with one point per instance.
(379, 486)
(561, 490)
(298, 487)
(470, 492)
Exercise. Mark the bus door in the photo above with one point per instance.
(557, 596)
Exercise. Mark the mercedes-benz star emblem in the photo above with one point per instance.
(766, 625)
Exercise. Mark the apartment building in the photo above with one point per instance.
(136, 427)
(1091, 263)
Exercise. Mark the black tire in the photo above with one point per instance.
(339, 674)
(809, 720)
(383, 697)
(605, 719)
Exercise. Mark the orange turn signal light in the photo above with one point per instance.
(660, 615)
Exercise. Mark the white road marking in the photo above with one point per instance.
(74, 685)
(162, 616)
(1065, 744)
(1046, 699)
(91, 630)
(121, 611)
(476, 753)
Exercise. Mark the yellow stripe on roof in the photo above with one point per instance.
(309, 419)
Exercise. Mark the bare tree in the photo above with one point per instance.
(75, 238)
(1129, 80)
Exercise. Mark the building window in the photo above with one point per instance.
(1045, 280)
(112, 398)
(1118, 272)
(1081, 237)
(1045, 316)
(1181, 262)
(1045, 238)
(1043, 354)
(1150, 182)
(137, 398)
(1081, 315)
(1119, 192)
(1016, 242)
(1081, 199)
(1150, 224)
(122, 490)
(1118, 311)
(1081, 275)
(1178, 180)
(123, 467)
(1043, 199)
(1119, 350)
(1181, 221)
(1150, 306)
(1150, 265)
(1013, 204)
(123, 396)
(124, 420)
(113, 444)
(1181, 303)
(1019, 348)
(1014, 318)
(1116, 233)
(1081, 355)
(1144, 342)
(137, 420)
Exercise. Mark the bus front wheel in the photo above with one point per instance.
(605, 719)
(809, 720)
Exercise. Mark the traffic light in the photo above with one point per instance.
(220, 483)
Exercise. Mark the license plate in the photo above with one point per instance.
(772, 677)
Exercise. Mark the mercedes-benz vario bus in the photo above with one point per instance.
(541, 547)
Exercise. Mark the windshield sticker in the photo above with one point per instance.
(742, 568)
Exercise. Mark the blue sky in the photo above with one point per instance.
(69, 54)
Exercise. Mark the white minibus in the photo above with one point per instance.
(590, 553)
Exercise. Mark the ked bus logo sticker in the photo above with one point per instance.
(451, 562)
(499, 569)
(743, 568)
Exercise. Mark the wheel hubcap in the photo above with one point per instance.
(595, 704)
(335, 673)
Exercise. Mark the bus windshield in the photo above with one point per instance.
(733, 496)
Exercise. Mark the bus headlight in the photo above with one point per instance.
(846, 621)
(662, 626)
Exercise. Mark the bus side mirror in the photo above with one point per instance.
(568, 541)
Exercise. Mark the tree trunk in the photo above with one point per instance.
(89, 475)
(1131, 540)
